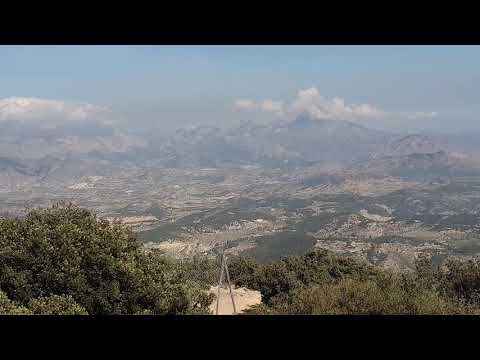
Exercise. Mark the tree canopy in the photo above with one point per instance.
(64, 260)
(324, 283)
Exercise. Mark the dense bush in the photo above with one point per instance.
(64, 260)
(323, 283)
(9, 307)
(461, 279)
(56, 305)
(349, 296)
(294, 272)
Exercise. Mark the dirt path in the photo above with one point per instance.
(244, 298)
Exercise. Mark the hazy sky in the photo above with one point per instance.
(417, 87)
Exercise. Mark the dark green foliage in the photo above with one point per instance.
(244, 271)
(349, 296)
(173, 287)
(323, 283)
(56, 305)
(461, 279)
(63, 256)
(9, 307)
(294, 272)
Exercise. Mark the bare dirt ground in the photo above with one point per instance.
(244, 298)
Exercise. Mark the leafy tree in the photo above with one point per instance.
(293, 272)
(64, 255)
(461, 279)
(8, 307)
(244, 271)
(170, 287)
(56, 305)
(350, 296)
(324, 283)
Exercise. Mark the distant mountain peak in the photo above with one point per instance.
(413, 144)
(303, 121)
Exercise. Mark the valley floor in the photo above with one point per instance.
(272, 212)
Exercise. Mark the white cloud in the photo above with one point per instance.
(422, 115)
(311, 101)
(245, 104)
(49, 112)
(268, 105)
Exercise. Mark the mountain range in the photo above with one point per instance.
(26, 151)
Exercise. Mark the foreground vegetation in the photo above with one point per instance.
(323, 283)
(63, 260)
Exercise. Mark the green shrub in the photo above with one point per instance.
(323, 283)
(56, 305)
(8, 307)
(65, 251)
(294, 272)
(354, 297)
(461, 279)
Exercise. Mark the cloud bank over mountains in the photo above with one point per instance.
(265, 105)
(45, 113)
(38, 128)
(422, 115)
(310, 101)
(34, 114)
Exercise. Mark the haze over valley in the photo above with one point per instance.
(266, 190)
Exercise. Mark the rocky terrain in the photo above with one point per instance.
(244, 299)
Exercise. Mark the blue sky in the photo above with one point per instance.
(168, 86)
